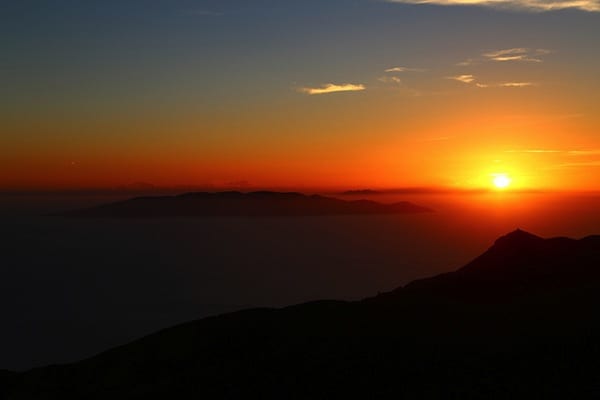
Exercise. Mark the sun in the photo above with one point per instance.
(501, 181)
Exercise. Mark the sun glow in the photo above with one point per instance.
(501, 181)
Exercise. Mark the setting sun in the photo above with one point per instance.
(501, 181)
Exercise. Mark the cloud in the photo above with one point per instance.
(404, 69)
(505, 52)
(523, 5)
(580, 158)
(396, 69)
(516, 84)
(333, 88)
(390, 79)
(520, 57)
(463, 78)
(572, 153)
(535, 151)
(505, 85)
(468, 79)
(580, 164)
(570, 158)
(467, 63)
(583, 152)
(516, 54)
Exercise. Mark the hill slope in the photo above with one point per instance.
(518, 321)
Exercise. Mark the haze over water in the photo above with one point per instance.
(74, 287)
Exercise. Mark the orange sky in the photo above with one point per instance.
(341, 113)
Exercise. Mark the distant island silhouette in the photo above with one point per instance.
(519, 321)
(233, 203)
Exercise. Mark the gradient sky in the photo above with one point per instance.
(300, 93)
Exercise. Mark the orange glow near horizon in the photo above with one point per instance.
(299, 145)
(315, 107)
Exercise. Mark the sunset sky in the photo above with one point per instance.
(300, 93)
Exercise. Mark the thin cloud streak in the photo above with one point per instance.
(466, 63)
(584, 152)
(570, 158)
(535, 151)
(579, 164)
(404, 69)
(505, 85)
(516, 84)
(505, 52)
(390, 79)
(469, 79)
(516, 54)
(573, 153)
(523, 5)
(462, 78)
(516, 58)
(333, 88)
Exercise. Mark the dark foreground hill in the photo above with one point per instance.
(201, 204)
(519, 321)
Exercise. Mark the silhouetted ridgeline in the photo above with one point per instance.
(518, 266)
(242, 204)
(519, 321)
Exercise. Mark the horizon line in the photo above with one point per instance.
(367, 191)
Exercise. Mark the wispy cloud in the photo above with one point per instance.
(505, 52)
(522, 54)
(462, 78)
(516, 84)
(467, 63)
(396, 69)
(333, 88)
(404, 69)
(470, 79)
(516, 54)
(584, 152)
(390, 79)
(524, 5)
(573, 153)
(580, 164)
(570, 158)
(505, 85)
(535, 151)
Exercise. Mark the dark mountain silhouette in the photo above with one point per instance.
(519, 321)
(517, 265)
(242, 204)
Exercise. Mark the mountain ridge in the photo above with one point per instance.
(470, 333)
(516, 263)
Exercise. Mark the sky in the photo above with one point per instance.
(300, 93)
